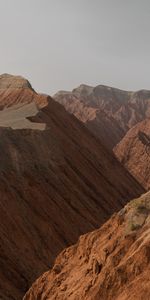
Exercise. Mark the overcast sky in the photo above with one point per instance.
(59, 44)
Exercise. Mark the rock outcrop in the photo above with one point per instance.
(110, 263)
(134, 152)
(55, 184)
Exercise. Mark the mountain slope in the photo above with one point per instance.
(134, 154)
(55, 184)
(108, 112)
(110, 263)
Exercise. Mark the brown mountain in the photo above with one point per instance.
(57, 181)
(108, 112)
(16, 90)
(110, 263)
(134, 152)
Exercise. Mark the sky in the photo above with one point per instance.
(60, 44)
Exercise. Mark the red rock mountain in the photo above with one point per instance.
(16, 90)
(110, 263)
(108, 112)
(134, 152)
(57, 181)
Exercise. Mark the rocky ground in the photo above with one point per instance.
(134, 152)
(110, 263)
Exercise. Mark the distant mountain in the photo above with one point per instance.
(110, 263)
(57, 181)
(108, 112)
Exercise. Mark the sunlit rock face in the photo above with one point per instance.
(134, 153)
(16, 90)
(110, 263)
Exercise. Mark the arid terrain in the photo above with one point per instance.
(110, 263)
(134, 152)
(57, 181)
(108, 112)
(116, 117)
(74, 150)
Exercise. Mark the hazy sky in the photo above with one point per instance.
(59, 44)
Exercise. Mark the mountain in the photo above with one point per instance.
(134, 152)
(57, 181)
(16, 90)
(110, 263)
(108, 112)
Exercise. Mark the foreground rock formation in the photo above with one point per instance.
(55, 184)
(108, 112)
(110, 263)
(134, 152)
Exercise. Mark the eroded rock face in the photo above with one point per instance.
(108, 112)
(16, 90)
(135, 154)
(110, 263)
(55, 185)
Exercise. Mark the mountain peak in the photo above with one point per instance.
(83, 90)
(8, 81)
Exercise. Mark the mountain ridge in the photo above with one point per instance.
(106, 111)
(47, 193)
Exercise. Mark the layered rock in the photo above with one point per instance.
(108, 112)
(16, 90)
(134, 152)
(110, 263)
(55, 184)
(8, 81)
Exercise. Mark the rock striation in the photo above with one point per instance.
(134, 152)
(16, 90)
(108, 112)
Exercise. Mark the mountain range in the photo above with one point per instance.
(108, 112)
(64, 171)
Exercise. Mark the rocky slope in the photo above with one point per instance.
(134, 152)
(108, 112)
(16, 90)
(110, 263)
(55, 184)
